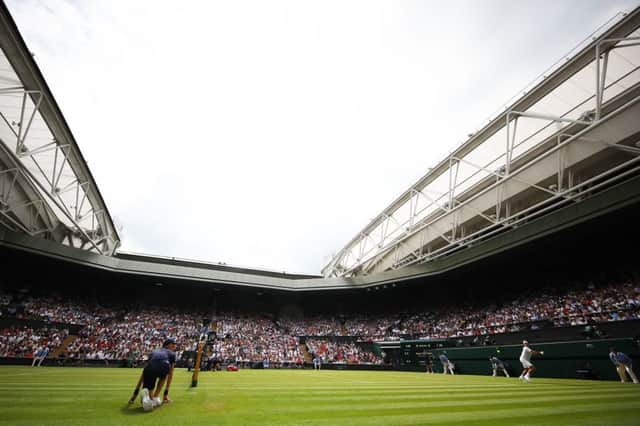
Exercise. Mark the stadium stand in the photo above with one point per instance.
(532, 239)
(526, 245)
(341, 352)
(23, 341)
(128, 334)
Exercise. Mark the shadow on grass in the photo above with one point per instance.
(130, 409)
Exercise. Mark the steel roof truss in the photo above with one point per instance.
(566, 194)
(509, 181)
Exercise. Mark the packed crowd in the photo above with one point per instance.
(131, 335)
(57, 309)
(355, 325)
(341, 352)
(576, 307)
(24, 342)
(118, 333)
(253, 338)
(313, 326)
(106, 333)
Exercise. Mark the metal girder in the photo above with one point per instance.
(50, 159)
(603, 47)
(18, 208)
(570, 193)
(51, 197)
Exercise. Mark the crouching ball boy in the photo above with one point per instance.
(446, 364)
(157, 373)
(497, 364)
(623, 364)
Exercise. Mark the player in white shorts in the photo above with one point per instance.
(525, 360)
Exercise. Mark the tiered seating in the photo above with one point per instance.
(115, 333)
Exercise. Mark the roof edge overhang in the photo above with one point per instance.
(623, 195)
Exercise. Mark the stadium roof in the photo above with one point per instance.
(47, 189)
(568, 147)
(617, 205)
(444, 210)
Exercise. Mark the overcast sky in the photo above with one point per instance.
(269, 133)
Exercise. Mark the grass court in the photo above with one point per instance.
(98, 396)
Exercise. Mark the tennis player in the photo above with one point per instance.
(525, 360)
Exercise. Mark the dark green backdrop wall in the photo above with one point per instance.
(577, 359)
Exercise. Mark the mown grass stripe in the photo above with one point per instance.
(473, 404)
(81, 396)
(350, 398)
(427, 391)
(508, 416)
(437, 397)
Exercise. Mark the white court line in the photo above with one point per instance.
(18, 374)
(30, 388)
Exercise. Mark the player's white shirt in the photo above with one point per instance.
(526, 354)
